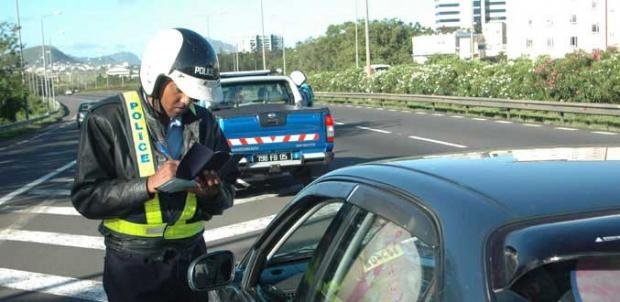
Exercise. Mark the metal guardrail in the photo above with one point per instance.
(23, 123)
(507, 105)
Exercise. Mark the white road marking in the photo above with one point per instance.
(239, 201)
(420, 112)
(50, 192)
(339, 123)
(479, 119)
(566, 129)
(604, 133)
(62, 179)
(503, 122)
(96, 242)
(437, 141)
(456, 116)
(370, 107)
(359, 107)
(62, 239)
(532, 125)
(54, 285)
(70, 211)
(380, 109)
(348, 105)
(393, 110)
(375, 130)
(437, 114)
(237, 229)
(29, 186)
(405, 111)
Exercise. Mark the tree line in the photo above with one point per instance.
(390, 43)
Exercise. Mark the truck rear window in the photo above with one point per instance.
(249, 93)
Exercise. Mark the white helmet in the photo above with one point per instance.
(186, 58)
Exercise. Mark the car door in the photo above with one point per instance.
(387, 249)
(274, 266)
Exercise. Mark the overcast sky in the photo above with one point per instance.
(95, 28)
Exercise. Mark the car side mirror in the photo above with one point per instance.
(211, 271)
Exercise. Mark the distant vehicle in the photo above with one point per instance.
(378, 68)
(265, 124)
(83, 111)
(68, 92)
(515, 225)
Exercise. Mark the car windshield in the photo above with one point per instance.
(262, 92)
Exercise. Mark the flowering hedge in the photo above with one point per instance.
(578, 77)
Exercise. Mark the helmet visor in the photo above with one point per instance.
(198, 89)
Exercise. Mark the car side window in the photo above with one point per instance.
(288, 260)
(379, 261)
(583, 279)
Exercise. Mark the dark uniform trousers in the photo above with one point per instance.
(131, 277)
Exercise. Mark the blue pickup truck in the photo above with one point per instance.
(266, 125)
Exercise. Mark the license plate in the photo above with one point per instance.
(272, 157)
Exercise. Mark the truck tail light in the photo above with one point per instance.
(329, 127)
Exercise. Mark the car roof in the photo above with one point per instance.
(248, 79)
(508, 184)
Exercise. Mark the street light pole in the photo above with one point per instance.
(45, 91)
(21, 55)
(357, 54)
(262, 22)
(368, 71)
(283, 56)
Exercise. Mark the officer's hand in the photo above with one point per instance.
(164, 173)
(208, 184)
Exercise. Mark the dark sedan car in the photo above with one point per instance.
(83, 111)
(519, 225)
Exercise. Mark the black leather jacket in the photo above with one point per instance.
(107, 182)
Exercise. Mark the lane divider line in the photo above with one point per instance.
(437, 141)
(566, 129)
(457, 116)
(31, 185)
(375, 130)
(604, 133)
(532, 125)
(90, 290)
(479, 119)
(503, 122)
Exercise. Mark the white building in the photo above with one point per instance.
(558, 27)
(255, 43)
(425, 46)
(454, 13)
(468, 14)
(466, 45)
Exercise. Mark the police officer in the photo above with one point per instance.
(130, 144)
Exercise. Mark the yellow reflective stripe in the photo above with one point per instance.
(179, 231)
(154, 230)
(142, 144)
(153, 211)
(135, 229)
(190, 208)
(154, 226)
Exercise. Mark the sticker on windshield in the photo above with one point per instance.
(607, 238)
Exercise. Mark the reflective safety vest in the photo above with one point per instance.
(155, 226)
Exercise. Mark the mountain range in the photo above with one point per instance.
(32, 56)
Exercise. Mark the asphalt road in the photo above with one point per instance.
(50, 253)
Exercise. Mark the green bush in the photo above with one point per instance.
(579, 77)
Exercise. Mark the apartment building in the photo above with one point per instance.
(558, 27)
